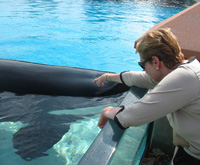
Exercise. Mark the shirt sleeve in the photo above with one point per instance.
(137, 78)
(176, 90)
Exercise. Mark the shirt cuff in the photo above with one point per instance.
(116, 119)
(122, 78)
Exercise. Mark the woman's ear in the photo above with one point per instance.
(156, 61)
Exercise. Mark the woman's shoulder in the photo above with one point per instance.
(186, 75)
(192, 62)
(192, 67)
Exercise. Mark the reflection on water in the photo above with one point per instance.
(171, 3)
(70, 148)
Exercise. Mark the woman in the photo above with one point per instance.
(175, 93)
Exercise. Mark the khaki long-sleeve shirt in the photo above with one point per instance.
(176, 96)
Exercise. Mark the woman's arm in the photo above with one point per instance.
(128, 78)
(106, 114)
(115, 77)
(175, 91)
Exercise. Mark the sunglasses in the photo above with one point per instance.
(142, 63)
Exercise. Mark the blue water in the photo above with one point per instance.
(90, 34)
(87, 34)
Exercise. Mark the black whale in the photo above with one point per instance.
(31, 78)
(30, 91)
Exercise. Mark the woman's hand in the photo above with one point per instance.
(114, 77)
(106, 114)
(101, 80)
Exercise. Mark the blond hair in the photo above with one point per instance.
(162, 43)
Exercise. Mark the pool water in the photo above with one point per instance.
(41, 129)
(91, 34)
(69, 150)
